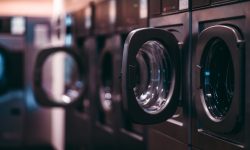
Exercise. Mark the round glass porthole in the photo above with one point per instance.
(154, 85)
(217, 79)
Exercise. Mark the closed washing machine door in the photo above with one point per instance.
(151, 75)
(218, 78)
(59, 77)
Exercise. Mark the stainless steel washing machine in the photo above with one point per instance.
(105, 109)
(154, 75)
(12, 92)
(18, 107)
(78, 132)
(61, 78)
(220, 36)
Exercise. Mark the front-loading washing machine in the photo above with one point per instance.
(220, 35)
(78, 132)
(19, 113)
(155, 74)
(105, 113)
(106, 122)
(12, 93)
(62, 78)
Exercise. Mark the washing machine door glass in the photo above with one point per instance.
(217, 78)
(106, 81)
(59, 77)
(150, 75)
(155, 73)
(218, 99)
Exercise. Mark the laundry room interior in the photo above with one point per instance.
(124, 75)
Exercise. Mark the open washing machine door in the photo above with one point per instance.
(218, 76)
(59, 77)
(151, 75)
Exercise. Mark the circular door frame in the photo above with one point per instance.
(40, 94)
(132, 45)
(232, 38)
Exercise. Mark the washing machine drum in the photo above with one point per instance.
(218, 76)
(150, 75)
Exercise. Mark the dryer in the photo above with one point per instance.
(219, 75)
(154, 75)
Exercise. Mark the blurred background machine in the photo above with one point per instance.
(79, 124)
(18, 107)
(12, 82)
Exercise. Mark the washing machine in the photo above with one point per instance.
(105, 109)
(12, 95)
(79, 118)
(71, 81)
(61, 79)
(18, 108)
(219, 74)
(155, 75)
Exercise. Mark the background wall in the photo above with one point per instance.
(37, 8)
